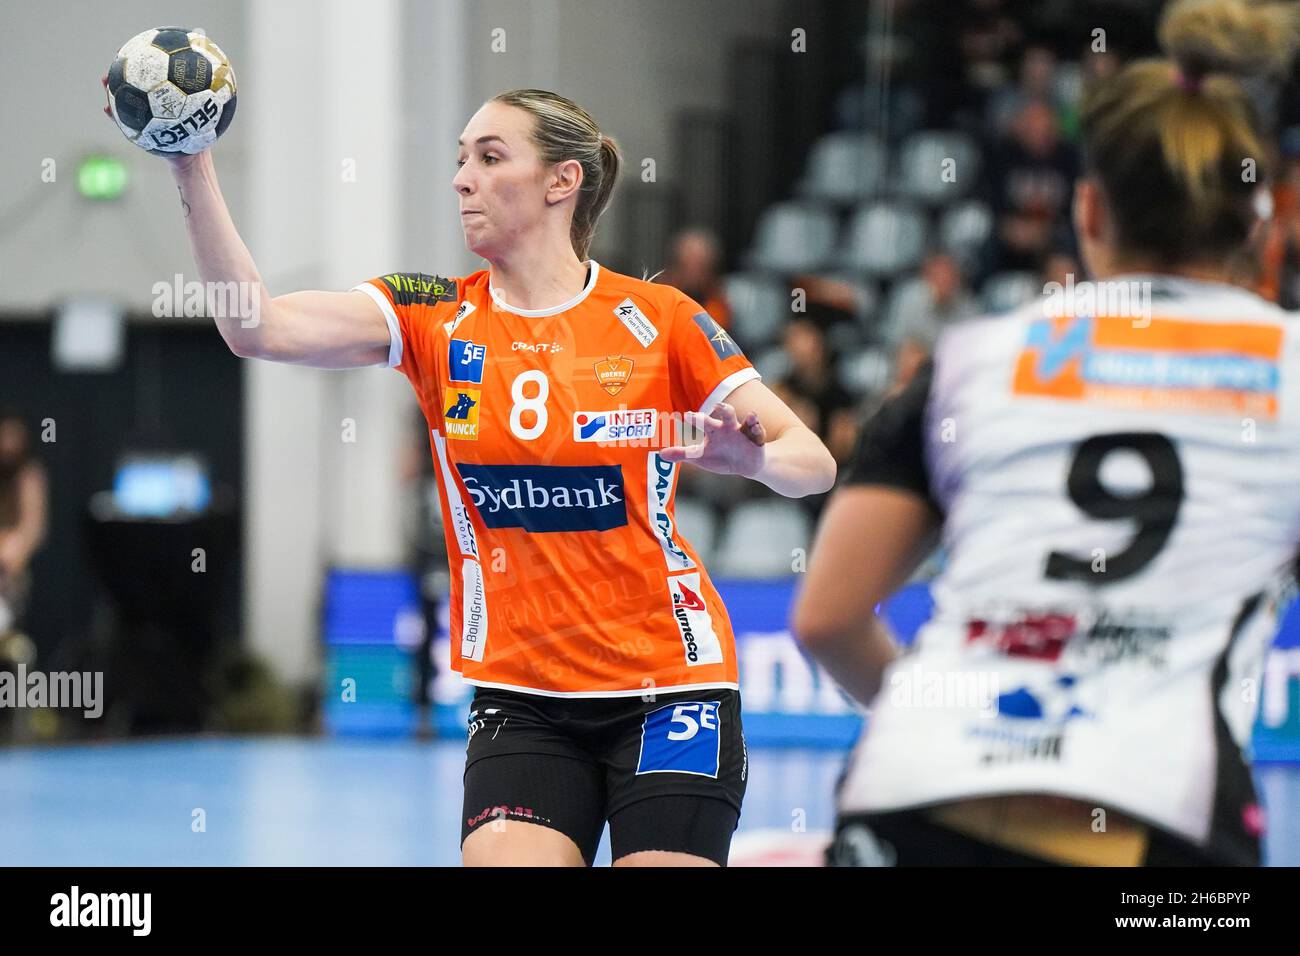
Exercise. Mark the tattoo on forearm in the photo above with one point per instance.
(185, 205)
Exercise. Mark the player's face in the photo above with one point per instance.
(501, 180)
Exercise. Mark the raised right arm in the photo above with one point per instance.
(319, 329)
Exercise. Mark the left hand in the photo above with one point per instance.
(729, 446)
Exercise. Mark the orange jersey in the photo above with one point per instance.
(568, 574)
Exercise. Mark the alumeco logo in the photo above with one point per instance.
(659, 487)
(542, 498)
(685, 599)
(700, 643)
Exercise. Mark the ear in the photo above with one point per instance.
(1089, 209)
(565, 181)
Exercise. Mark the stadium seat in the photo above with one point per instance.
(884, 238)
(844, 168)
(965, 228)
(907, 296)
(1006, 290)
(845, 337)
(864, 291)
(760, 537)
(760, 305)
(793, 237)
(772, 363)
(920, 166)
(865, 372)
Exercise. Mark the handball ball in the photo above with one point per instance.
(171, 90)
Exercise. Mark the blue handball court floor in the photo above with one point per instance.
(348, 802)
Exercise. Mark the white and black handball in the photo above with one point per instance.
(171, 90)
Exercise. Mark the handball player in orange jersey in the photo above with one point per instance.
(602, 657)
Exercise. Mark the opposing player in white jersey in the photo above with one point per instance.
(1113, 473)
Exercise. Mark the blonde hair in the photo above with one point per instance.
(563, 130)
(1169, 139)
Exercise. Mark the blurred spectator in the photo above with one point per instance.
(921, 309)
(23, 504)
(1037, 83)
(1032, 179)
(811, 387)
(989, 33)
(693, 268)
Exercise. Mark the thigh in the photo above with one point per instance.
(699, 827)
(522, 774)
(532, 810)
(676, 775)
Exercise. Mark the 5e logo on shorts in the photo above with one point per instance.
(465, 361)
(681, 738)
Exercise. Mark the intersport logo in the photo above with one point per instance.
(543, 498)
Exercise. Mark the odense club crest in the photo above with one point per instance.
(613, 373)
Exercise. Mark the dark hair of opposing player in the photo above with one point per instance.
(563, 130)
(1176, 143)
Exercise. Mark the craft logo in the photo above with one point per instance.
(613, 373)
(1228, 368)
(544, 348)
(461, 416)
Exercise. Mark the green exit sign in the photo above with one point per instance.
(101, 177)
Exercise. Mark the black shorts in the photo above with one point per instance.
(912, 838)
(666, 774)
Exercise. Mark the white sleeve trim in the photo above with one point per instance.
(394, 329)
(727, 386)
